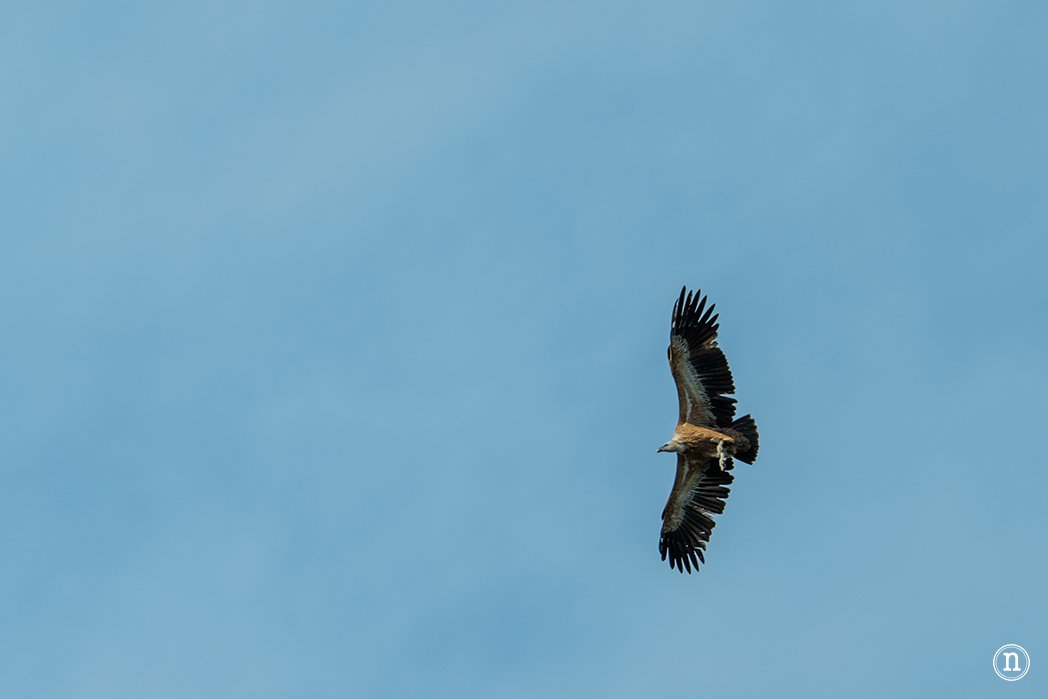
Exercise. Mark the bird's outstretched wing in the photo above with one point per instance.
(699, 490)
(699, 367)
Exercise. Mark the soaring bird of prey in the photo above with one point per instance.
(707, 435)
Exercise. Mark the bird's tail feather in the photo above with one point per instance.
(748, 429)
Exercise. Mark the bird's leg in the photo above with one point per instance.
(722, 455)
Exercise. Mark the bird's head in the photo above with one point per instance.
(671, 445)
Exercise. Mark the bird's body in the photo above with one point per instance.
(699, 442)
(707, 436)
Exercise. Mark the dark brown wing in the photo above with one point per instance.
(699, 367)
(699, 491)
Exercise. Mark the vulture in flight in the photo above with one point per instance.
(707, 437)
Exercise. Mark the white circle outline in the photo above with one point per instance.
(1022, 674)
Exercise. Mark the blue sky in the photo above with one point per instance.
(334, 347)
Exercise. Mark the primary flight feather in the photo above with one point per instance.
(707, 436)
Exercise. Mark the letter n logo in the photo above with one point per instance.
(1011, 662)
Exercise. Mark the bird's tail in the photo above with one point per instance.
(748, 429)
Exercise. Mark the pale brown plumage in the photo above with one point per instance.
(706, 438)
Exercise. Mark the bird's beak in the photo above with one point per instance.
(662, 448)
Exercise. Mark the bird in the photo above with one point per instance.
(707, 437)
